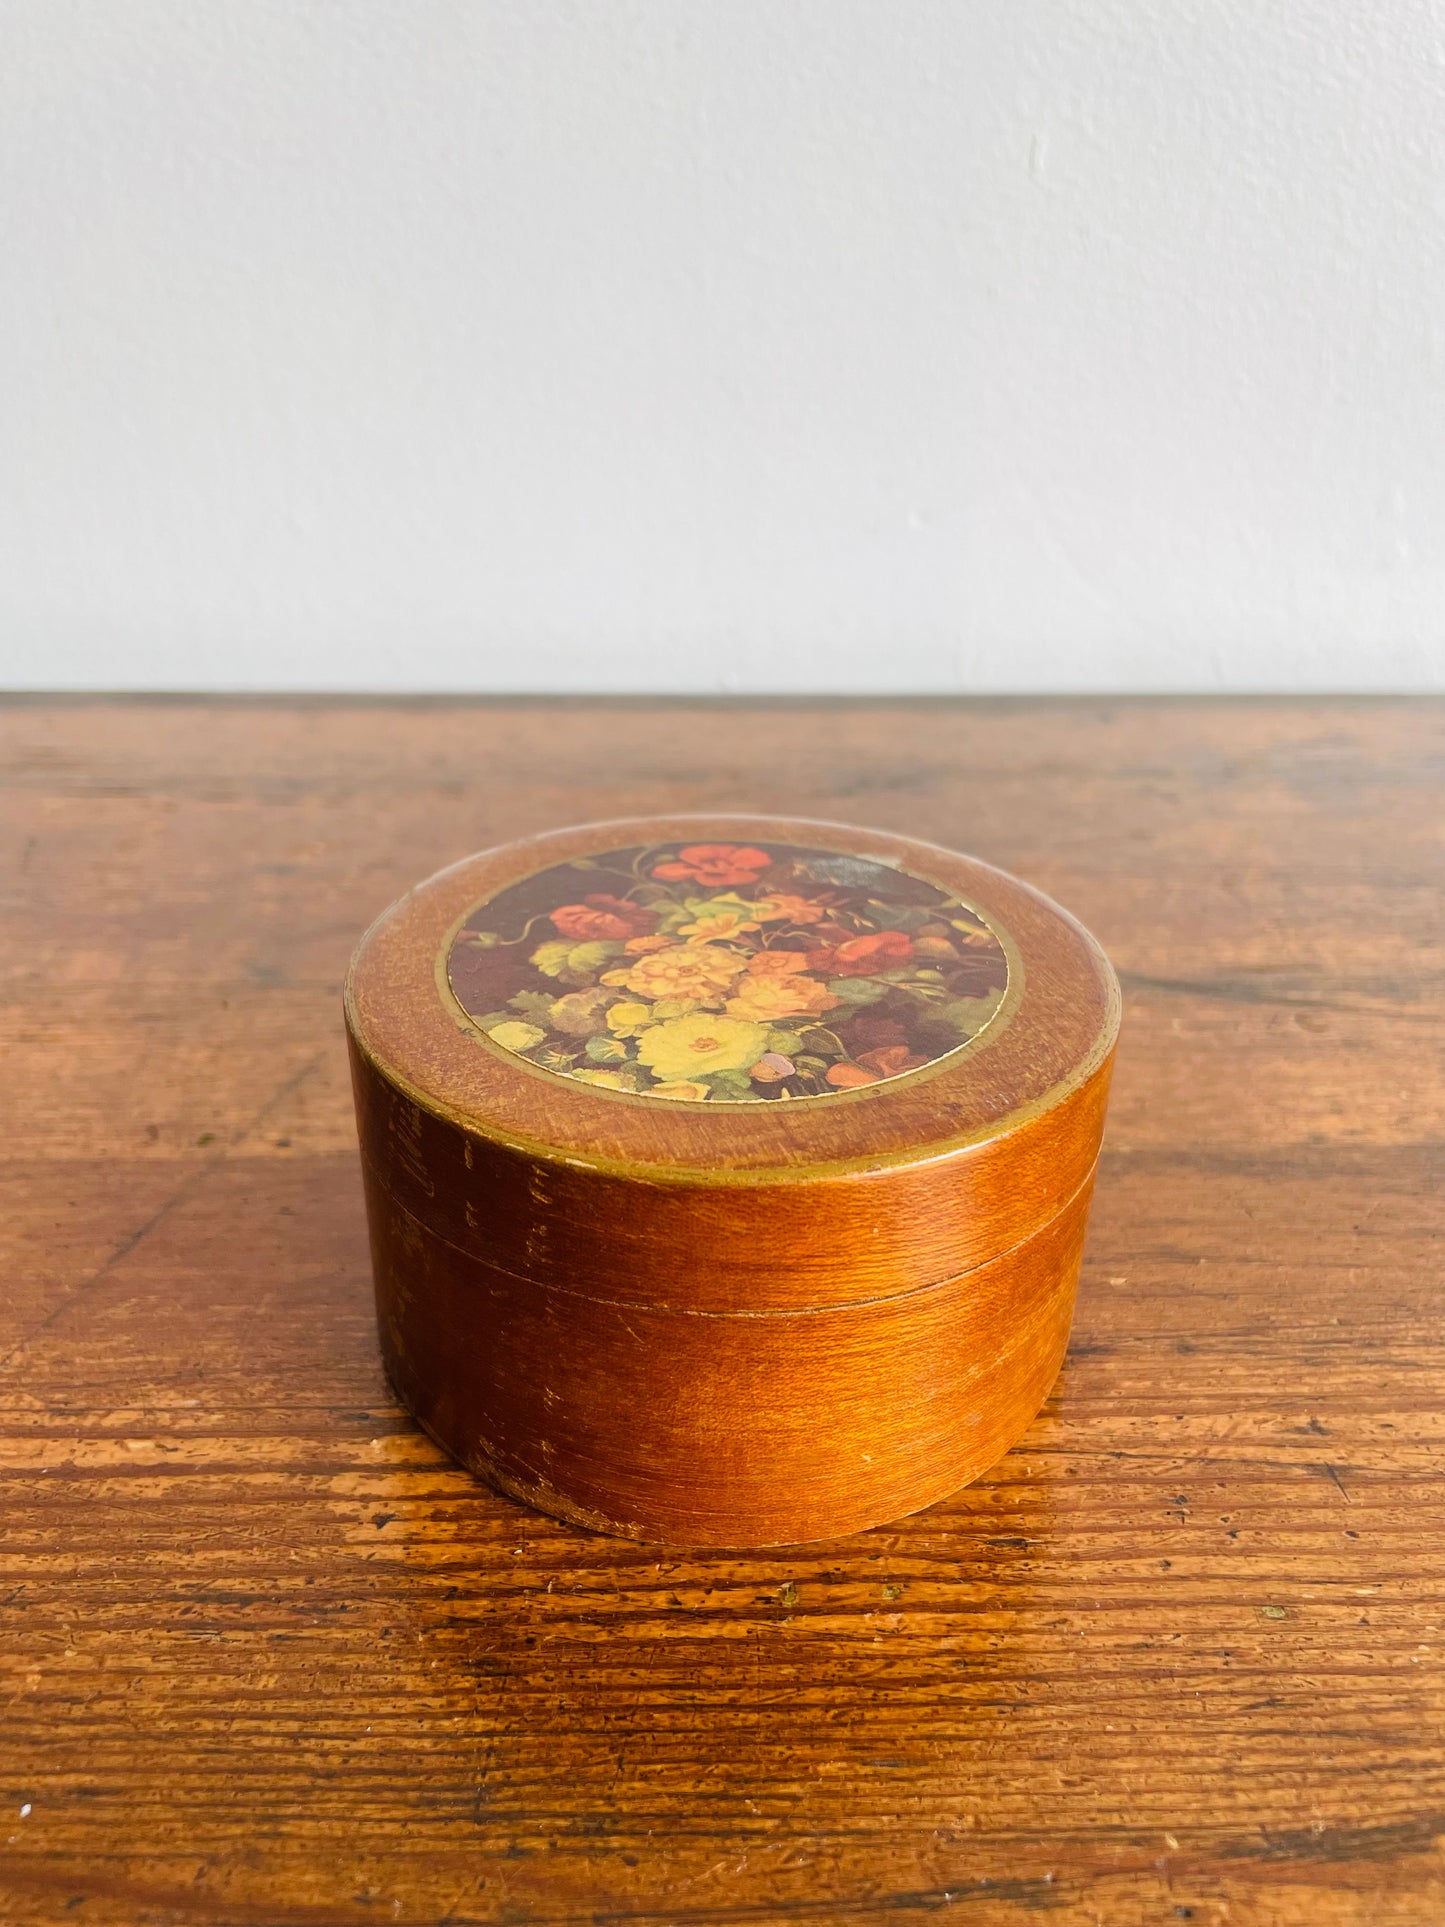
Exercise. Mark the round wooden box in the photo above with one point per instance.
(727, 1176)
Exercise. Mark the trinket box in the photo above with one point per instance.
(727, 1177)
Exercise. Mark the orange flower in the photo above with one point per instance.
(849, 1077)
(601, 918)
(795, 909)
(765, 999)
(776, 963)
(639, 946)
(719, 863)
(703, 971)
(861, 956)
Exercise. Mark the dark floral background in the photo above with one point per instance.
(727, 972)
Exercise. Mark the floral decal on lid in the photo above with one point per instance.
(727, 972)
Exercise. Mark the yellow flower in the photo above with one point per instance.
(628, 1020)
(765, 999)
(694, 970)
(666, 1007)
(516, 1036)
(685, 1093)
(691, 1047)
(609, 1080)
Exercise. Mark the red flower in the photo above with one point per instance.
(861, 956)
(891, 1060)
(718, 863)
(601, 917)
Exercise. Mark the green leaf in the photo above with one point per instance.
(535, 1004)
(786, 1042)
(730, 1085)
(551, 958)
(575, 963)
(859, 990)
(605, 1050)
(820, 1043)
(968, 1015)
(555, 1060)
(898, 916)
(592, 956)
(923, 997)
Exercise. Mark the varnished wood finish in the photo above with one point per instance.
(1008, 1074)
(270, 1660)
(719, 1428)
(593, 1299)
(907, 1225)
(888, 1189)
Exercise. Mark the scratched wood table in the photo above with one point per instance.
(269, 1659)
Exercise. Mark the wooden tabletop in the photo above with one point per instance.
(268, 1659)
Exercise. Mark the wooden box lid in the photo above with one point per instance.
(730, 1063)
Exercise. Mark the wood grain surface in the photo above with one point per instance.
(741, 1429)
(269, 1660)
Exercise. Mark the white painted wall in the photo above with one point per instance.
(722, 344)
